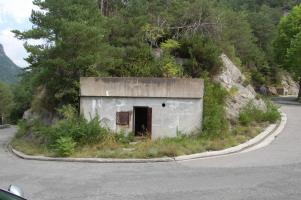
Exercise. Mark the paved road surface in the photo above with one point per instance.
(273, 172)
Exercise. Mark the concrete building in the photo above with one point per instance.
(160, 107)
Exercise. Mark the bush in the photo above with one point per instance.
(64, 146)
(215, 122)
(23, 128)
(258, 77)
(203, 55)
(272, 114)
(65, 134)
(75, 127)
(93, 132)
(252, 114)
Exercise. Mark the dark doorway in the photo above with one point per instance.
(142, 121)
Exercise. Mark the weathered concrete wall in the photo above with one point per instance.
(141, 87)
(179, 114)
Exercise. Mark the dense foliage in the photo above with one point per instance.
(6, 102)
(175, 38)
(215, 121)
(73, 33)
(66, 134)
(148, 38)
(288, 43)
(22, 97)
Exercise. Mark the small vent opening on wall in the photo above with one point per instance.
(163, 105)
(122, 118)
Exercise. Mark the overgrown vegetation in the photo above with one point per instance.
(6, 102)
(65, 134)
(22, 97)
(251, 114)
(126, 38)
(126, 146)
(75, 136)
(177, 38)
(288, 43)
(215, 122)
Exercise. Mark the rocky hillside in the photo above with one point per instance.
(289, 85)
(241, 92)
(8, 70)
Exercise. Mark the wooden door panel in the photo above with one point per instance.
(149, 120)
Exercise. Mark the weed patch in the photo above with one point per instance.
(251, 114)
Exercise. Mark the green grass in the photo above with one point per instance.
(251, 114)
(110, 147)
(30, 147)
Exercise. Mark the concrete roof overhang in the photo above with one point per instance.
(141, 87)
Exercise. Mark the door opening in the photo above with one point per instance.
(142, 121)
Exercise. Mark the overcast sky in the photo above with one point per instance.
(14, 14)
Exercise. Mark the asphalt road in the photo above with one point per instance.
(273, 172)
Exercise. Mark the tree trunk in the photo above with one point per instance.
(101, 6)
(105, 7)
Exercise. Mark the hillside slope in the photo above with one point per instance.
(241, 92)
(8, 70)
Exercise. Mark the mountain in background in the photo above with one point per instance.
(9, 71)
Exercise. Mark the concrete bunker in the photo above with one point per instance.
(155, 107)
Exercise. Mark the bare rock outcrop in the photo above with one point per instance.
(241, 92)
(289, 85)
(44, 116)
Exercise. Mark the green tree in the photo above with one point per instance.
(288, 43)
(121, 38)
(237, 32)
(22, 97)
(253, 5)
(203, 56)
(6, 102)
(73, 36)
(264, 25)
(170, 67)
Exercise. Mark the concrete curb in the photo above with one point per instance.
(90, 160)
(260, 141)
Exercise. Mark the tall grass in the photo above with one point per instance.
(251, 114)
(66, 134)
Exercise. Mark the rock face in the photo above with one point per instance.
(289, 85)
(241, 92)
(45, 116)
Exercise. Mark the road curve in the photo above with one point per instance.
(273, 172)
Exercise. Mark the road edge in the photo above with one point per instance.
(4, 126)
(263, 139)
